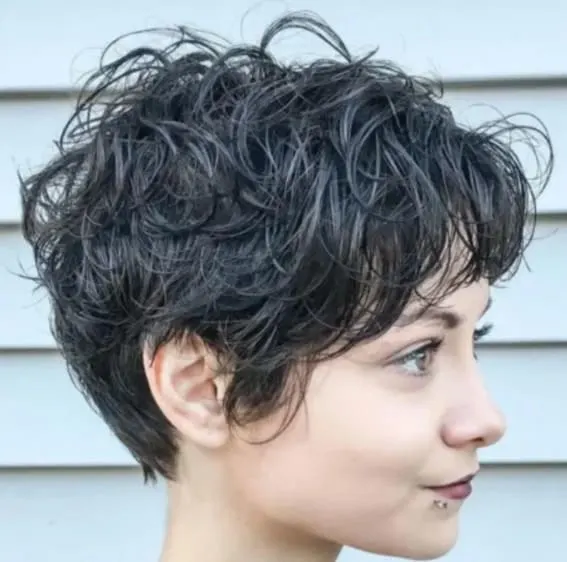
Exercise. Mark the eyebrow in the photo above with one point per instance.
(448, 318)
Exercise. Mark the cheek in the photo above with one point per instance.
(355, 453)
(361, 424)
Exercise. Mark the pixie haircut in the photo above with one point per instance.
(281, 212)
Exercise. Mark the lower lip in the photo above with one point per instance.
(455, 492)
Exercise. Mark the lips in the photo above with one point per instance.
(458, 490)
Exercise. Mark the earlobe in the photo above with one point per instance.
(185, 386)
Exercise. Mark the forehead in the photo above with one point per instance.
(453, 309)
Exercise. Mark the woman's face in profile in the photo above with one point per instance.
(383, 432)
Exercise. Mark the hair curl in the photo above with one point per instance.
(275, 210)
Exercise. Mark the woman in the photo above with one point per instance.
(270, 280)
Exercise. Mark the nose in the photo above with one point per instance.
(474, 419)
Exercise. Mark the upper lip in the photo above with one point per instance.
(465, 480)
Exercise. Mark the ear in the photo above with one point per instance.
(183, 382)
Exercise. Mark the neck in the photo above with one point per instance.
(199, 528)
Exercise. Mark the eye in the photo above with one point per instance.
(417, 362)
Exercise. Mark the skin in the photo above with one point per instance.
(379, 426)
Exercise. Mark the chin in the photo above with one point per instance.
(430, 551)
(424, 547)
(426, 554)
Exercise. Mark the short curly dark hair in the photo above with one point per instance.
(275, 210)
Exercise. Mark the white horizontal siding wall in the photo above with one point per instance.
(67, 482)
(459, 40)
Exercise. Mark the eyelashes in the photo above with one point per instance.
(482, 332)
(418, 361)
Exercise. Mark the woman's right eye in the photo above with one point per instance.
(416, 363)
